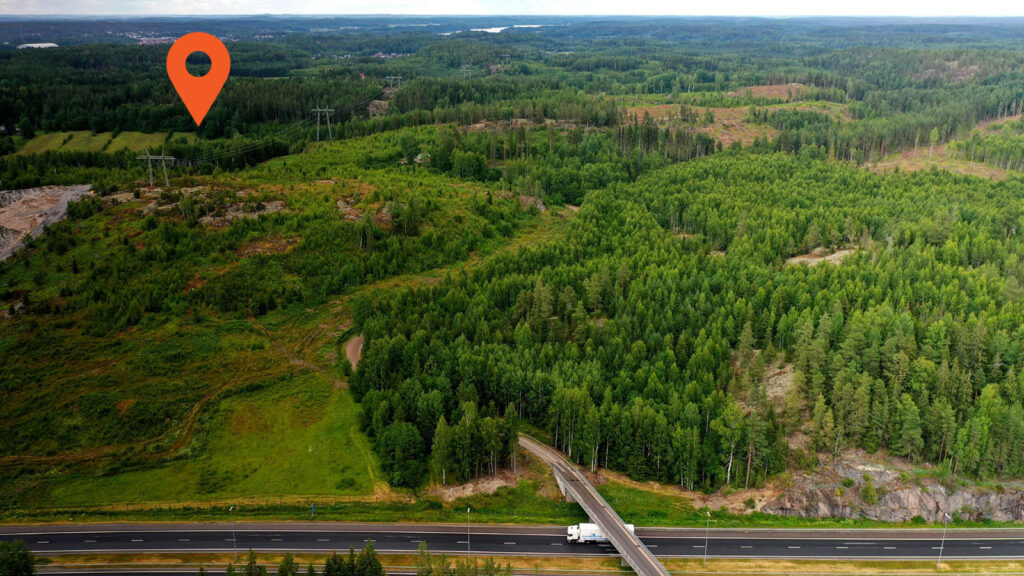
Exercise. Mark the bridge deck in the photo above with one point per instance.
(578, 487)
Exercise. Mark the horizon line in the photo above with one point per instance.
(509, 15)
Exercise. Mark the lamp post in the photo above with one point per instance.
(943, 545)
(469, 551)
(234, 541)
(707, 528)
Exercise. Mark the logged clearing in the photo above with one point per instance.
(940, 158)
(729, 125)
(791, 91)
(818, 256)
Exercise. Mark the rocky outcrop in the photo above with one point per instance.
(835, 491)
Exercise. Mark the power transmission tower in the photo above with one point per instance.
(391, 81)
(506, 59)
(467, 72)
(163, 159)
(326, 112)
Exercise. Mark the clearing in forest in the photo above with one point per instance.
(941, 157)
(791, 91)
(818, 255)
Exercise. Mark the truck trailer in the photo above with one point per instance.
(588, 533)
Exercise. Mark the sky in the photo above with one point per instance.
(498, 7)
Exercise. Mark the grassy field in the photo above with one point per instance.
(297, 437)
(556, 565)
(86, 141)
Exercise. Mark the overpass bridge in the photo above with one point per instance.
(576, 487)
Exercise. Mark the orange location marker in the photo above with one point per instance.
(198, 93)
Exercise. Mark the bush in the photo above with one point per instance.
(868, 493)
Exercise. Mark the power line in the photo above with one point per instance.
(149, 158)
(293, 132)
(327, 112)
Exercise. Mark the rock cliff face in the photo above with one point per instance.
(900, 499)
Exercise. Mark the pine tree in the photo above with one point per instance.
(368, 564)
(909, 441)
(823, 426)
(288, 567)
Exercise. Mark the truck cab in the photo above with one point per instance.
(588, 533)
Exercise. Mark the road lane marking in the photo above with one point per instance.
(793, 547)
(90, 541)
(556, 543)
(652, 545)
(276, 540)
(42, 541)
(136, 539)
(746, 546)
(462, 542)
(698, 546)
(183, 539)
(985, 547)
(510, 543)
(889, 548)
(842, 547)
(328, 540)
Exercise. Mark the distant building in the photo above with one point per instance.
(40, 45)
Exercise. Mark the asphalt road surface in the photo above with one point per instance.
(512, 540)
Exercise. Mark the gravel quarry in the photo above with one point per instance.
(29, 211)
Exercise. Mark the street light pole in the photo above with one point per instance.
(469, 551)
(707, 528)
(234, 541)
(942, 546)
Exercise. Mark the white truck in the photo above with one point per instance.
(588, 533)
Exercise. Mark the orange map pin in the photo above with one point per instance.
(198, 93)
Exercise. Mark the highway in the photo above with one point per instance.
(572, 481)
(488, 540)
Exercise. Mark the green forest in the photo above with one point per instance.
(609, 233)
